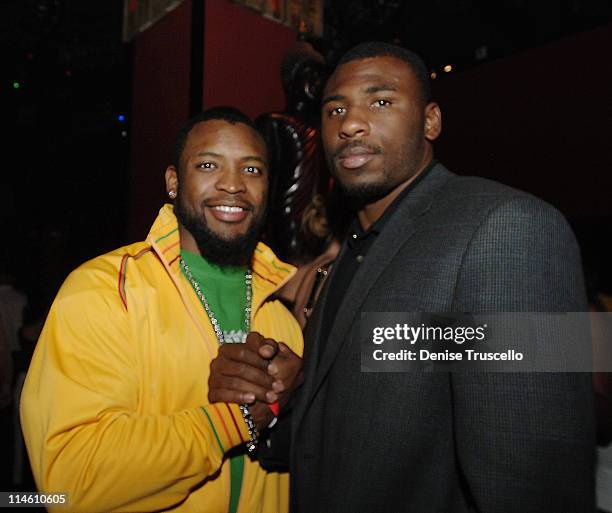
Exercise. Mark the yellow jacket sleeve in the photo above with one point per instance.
(80, 415)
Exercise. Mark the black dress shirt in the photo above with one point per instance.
(358, 243)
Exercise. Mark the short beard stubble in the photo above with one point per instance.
(392, 175)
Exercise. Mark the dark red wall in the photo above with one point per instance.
(160, 105)
(242, 56)
(540, 121)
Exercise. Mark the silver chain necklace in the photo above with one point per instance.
(251, 444)
(248, 279)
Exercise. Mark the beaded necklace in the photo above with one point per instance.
(248, 279)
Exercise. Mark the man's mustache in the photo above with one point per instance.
(346, 148)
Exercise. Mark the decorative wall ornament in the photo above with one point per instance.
(305, 16)
(139, 15)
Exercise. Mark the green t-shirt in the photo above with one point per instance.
(225, 291)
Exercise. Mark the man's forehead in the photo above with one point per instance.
(216, 126)
(222, 138)
(379, 71)
(223, 132)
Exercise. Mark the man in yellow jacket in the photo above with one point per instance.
(114, 409)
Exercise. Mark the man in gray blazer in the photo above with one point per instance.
(426, 240)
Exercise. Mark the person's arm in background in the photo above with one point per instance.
(601, 328)
(525, 441)
(6, 369)
(80, 416)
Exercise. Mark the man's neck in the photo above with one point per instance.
(188, 243)
(372, 212)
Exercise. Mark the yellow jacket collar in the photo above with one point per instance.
(270, 273)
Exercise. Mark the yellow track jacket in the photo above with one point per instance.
(115, 409)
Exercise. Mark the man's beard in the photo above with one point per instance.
(363, 193)
(366, 192)
(217, 250)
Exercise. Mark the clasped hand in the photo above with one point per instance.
(259, 372)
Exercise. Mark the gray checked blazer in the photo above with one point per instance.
(448, 442)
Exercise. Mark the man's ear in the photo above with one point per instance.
(171, 182)
(433, 121)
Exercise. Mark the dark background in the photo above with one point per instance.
(70, 188)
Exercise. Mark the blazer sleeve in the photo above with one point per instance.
(525, 441)
(80, 418)
(274, 449)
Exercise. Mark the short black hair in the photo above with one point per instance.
(382, 49)
(224, 113)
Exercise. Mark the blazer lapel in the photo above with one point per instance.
(312, 346)
(399, 228)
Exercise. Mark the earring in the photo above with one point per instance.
(172, 194)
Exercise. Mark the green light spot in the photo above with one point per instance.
(16, 85)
